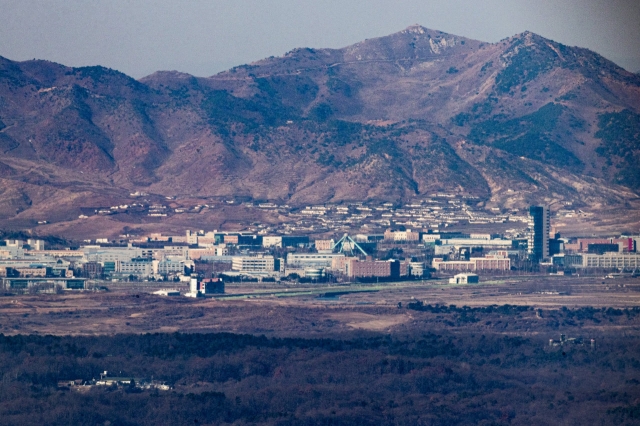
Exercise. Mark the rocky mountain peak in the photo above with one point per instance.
(390, 118)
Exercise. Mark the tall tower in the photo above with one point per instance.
(539, 228)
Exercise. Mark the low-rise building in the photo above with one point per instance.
(211, 286)
(167, 292)
(24, 284)
(464, 279)
(35, 272)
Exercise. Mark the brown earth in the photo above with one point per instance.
(258, 309)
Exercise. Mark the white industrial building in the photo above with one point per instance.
(138, 267)
(312, 260)
(114, 254)
(476, 242)
(611, 260)
(487, 263)
(169, 267)
(257, 264)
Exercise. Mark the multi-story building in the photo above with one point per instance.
(168, 267)
(171, 252)
(271, 241)
(257, 264)
(324, 245)
(488, 263)
(355, 268)
(401, 236)
(492, 263)
(312, 260)
(231, 239)
(115, 254)
(35, 272)
(476, 242)
(140, 267)
(36, 244)
(539, 229)
(211, 286)
(453, 265)
(92, 270)
(220, 250)
(627, 261)
(295, 241)
(13, 249)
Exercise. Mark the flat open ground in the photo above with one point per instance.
(318, 310)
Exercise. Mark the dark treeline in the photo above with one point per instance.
(428, 379)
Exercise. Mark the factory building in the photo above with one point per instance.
(611, 260)
(168, 267)
(24, 284)
(257, 264)
(488, 263)
(138, 267)
(312, 260)
(114, 254)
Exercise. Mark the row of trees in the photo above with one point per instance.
(425, 378)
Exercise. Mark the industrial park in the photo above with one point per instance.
(203, 261)
(272, 213)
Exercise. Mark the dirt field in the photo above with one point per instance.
(310, 311)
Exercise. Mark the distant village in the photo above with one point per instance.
(413, 241)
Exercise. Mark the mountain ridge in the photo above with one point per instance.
(392, 118)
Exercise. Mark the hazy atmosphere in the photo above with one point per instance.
(205, 37)
(277, 212)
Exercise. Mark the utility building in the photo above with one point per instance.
(464, 279)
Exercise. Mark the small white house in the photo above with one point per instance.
(464, 279)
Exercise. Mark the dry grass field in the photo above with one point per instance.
(419, 353)
(319, 310)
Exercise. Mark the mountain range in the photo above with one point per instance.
(397, 118)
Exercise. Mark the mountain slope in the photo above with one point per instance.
(393, 118)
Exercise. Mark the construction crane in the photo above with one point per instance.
(346, 244)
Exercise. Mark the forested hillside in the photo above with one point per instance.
(422, 379)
